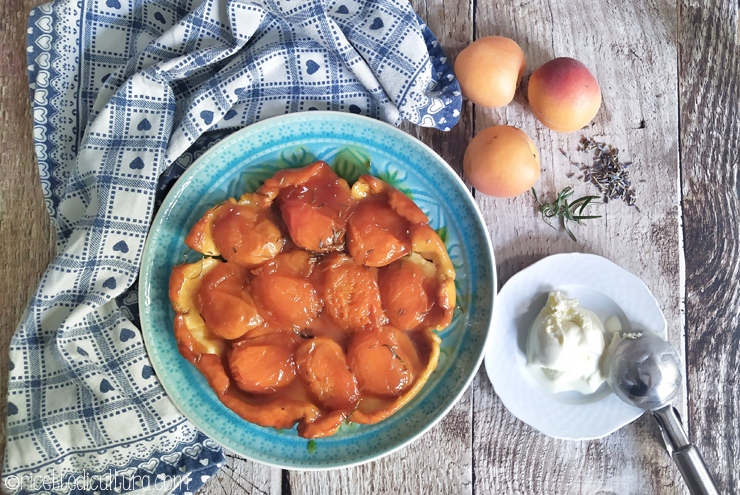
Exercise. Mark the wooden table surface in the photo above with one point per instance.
(670, 77)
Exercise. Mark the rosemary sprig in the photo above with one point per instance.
(565, 211)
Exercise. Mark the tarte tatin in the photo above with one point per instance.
(314, 303)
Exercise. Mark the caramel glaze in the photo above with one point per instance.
(316, 304)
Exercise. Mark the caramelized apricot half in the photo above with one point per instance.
(374, 408)
(284, 291)
(262, 365)
(376, 234)
(224, 302)
(315, 204)
(243, 231)
(323, 366)
(408, 289)
(350, 293)
(246, 235)
(368, 187)
(384, 361)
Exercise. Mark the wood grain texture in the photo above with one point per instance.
(631, 49)
(241, 476)
(26, 237)
(444, 451)
(660, 64)
(709, 67)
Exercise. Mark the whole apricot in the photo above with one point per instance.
(502, 161)
(489, 70)
(564, 95)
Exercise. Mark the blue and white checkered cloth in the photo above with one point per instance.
(126, 94)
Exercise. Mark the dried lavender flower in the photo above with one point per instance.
(607, 172)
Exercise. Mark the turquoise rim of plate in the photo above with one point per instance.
(241, 162)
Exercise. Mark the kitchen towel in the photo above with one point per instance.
(126, 94)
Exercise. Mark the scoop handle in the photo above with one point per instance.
(687, 457)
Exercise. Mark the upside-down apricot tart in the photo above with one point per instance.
(314, 303)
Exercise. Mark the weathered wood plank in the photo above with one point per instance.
(242, 476)
(438, 462)
(709, 66)
(631, 50)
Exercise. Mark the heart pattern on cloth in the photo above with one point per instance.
(121, 246)
(159, 17)
(113, 4)
(41, 97)
(82, 352)
(377, 24)
(207, 116)
(44, 41)
(144, 125)
(172, 458)
(147, 372)
(43, 60)
(137, 163)
(126, 334)
(192, 451)
(436, 106)
(311, 67)
(110, 283)
(44, 24)
(230, 114)
(427, 120)
(42, 79)
(12, 409)
(354, 109)
(210, 444)
(342, 9)
(127, 473)
(105, 386)
(150, 465)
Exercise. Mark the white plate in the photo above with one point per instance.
(600, 286)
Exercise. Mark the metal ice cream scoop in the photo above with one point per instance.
(646, 372)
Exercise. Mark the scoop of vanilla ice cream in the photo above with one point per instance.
(565, 345)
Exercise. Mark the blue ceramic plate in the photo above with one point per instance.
(349, 143)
